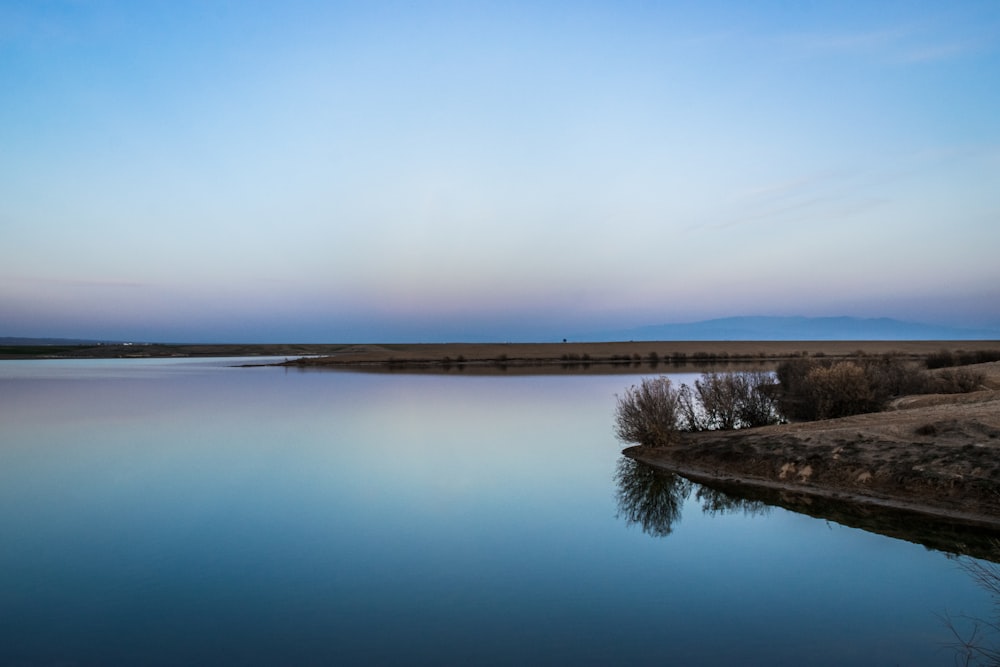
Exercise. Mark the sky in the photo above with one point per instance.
(210, 171)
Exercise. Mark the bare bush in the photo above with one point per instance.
(737, 400)
(648, 414)
(890, 376)
(946, 358)
(758, 399)
(656, 412)
(940, 359)
(956, 381)
(719, 397)
(823, 388)
(691, 415)
(840, 390)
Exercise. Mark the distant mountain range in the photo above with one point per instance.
(794, 328)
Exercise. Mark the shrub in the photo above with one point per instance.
(956, 381)
(841, 389)
(648, 414)
(891, 376)
(728, 401)
(720, 399)
(940, 359)
(794, 397)
(758, 399)
(690, 414)
(946, 358)
(655, 413)
(823, 389)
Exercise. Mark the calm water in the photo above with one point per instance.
(183, 512)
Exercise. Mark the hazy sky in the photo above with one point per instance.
(317, 171)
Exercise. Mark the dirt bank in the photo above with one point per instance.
(936, 454)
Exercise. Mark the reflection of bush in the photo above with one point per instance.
(653, 498)
(977, 642)
(649, 497)
(715, 502)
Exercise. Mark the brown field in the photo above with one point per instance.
(556, 354)
(600, 357)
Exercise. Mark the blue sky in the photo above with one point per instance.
(381, 171)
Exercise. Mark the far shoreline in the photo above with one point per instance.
(599, 358)
(553, 353)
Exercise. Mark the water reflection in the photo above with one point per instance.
(653, 499)
(977, 639)
(265, 516)
(650, 497)
(715, 502)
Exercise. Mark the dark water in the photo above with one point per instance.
(165, 513)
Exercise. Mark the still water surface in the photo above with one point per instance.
(186, 512)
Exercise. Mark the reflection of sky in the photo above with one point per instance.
(504, 171)
(265, 515)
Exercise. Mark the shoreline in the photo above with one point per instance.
(941, 530)
(725, 480)
(937, 455)
(416, 355)
(630, 355)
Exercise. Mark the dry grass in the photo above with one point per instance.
(643, 352)
(636, 353)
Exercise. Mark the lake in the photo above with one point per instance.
(166, 512)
